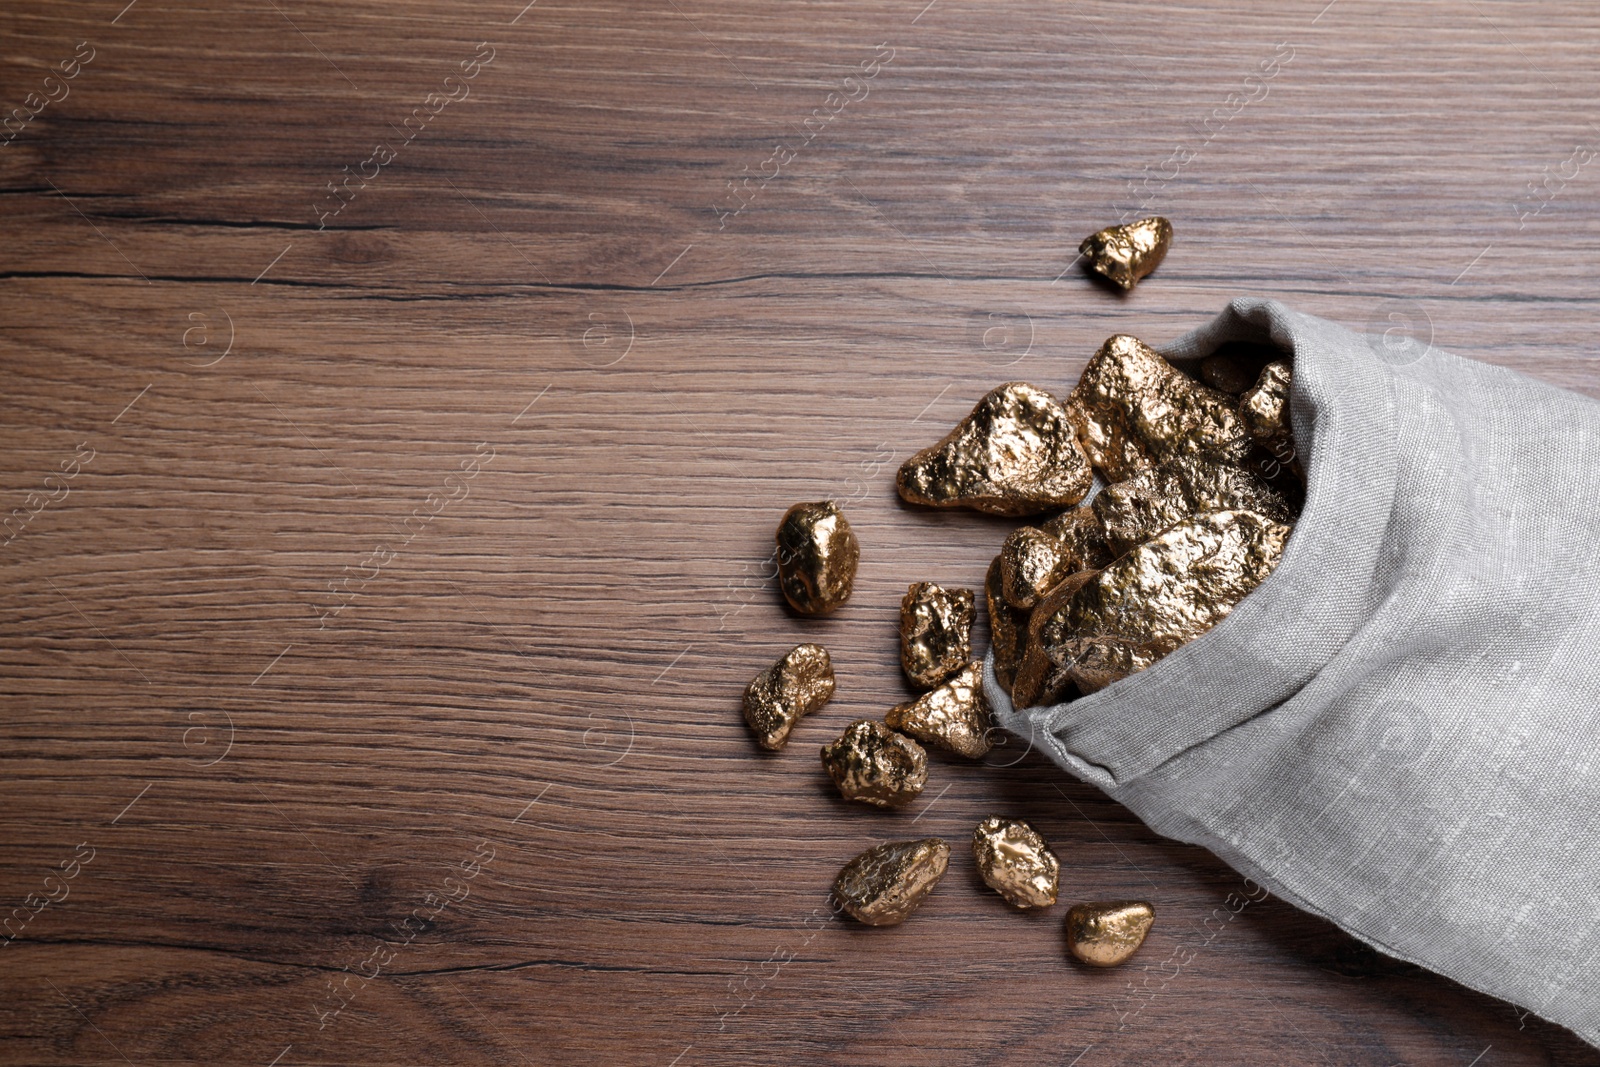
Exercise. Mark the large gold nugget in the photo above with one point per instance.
(1105, 933)
(784, 693)
(1015, 862)
(1035, 559)
(1157, 596)
(955, 717)
(935, 632)
(873, 764)
(1127, 253)
(1016, 454)
(1008, 628)
(1133, 511)
(817, 557)
(885, 884)
(1133, 410)
(1039, 680)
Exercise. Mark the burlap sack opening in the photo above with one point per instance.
(1399, 730)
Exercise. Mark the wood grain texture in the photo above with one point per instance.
(282, 667)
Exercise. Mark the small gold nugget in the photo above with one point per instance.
(1152, 599)
(873, 764)
(1036, 559)
(935, 632)
(885, 884)
(1016, 454)
(955, 717)
(1133, 511)
(1133, 410)
(1126, 254)
(1264, 408)
(1265, 405)
(817, 557)
(792, 688)
(1105, 933)
(1008, 627)
(1015, 862)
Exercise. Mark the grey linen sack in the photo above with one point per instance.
(1399, 730)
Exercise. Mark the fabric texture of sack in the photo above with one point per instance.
(1399, 729)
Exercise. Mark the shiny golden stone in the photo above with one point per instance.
(1155, 597)
(1105, 933)
(873, 764)
(1135, 510)
(1032, 562)
(1039, 681)
(1126, 254)
(954, 717)
(792, 688)
(1036, 559)
(817, 557)
(1133, 409)
(1015, 862)
(1008, 627)
(885, 884)
(1016, 454)
(935, 632)
(1265, 406)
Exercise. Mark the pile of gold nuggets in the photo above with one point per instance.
(1200, 488)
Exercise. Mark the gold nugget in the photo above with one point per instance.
(935, 632)
(955, 717)
(1015, 862)
(885, 884)
(1016, 454)
(1133, 511)
(1264, 408)
(1167, 591)
(1227, 373)
(1036, 559)
(817, 557)
(1133, 409)
(1126, 254)
(1265, 405)
(1008, 627)
(792, 688)
(1105, 933)
(873, 764)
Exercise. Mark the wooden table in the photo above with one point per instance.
(400, 398)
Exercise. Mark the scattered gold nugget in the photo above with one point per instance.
(817, 557)
(955, 717)
(873, 764)
(1133, 410)
(1126, 254)
(1166, 591)
(1016, 454)
(935, 632)
(1135, 510)
(1008, 626)
(795, 686)
(1105, 933)
(885, 884)
(1035, 559)
(1015, 862)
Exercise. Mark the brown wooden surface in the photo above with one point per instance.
(544, 661)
